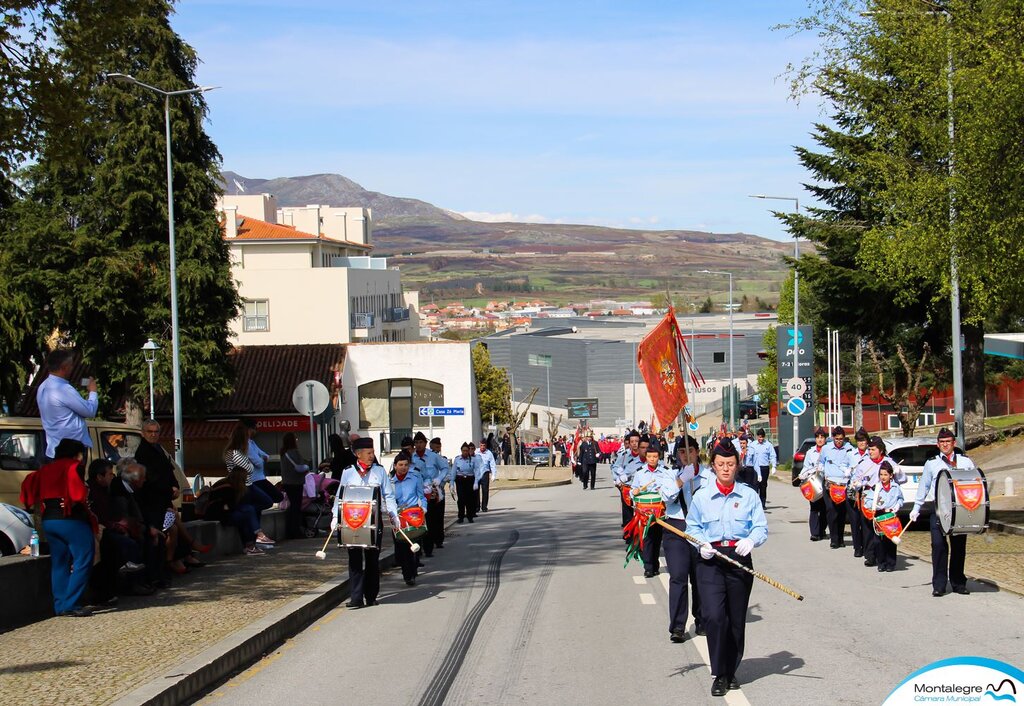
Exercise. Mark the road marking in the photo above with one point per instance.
(639, 580)
(647, 598)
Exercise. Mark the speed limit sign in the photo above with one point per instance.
(796, 387)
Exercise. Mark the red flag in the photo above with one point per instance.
(658, 357)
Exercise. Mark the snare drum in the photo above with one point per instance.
(627, 495)
(413, 521)
(648, 504)
(836, 491)
(887, 524)
(813, 489)
(360, 521)
(961, 500)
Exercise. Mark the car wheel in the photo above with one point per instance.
(6, 546)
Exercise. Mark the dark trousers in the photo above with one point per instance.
(154, 554)
(105, 575)
(293, 515)
(627, 510)
(364, 574)
(485, 490)
(724, 596)
(468, 498)
(72, 548)
(258, 498)
(246, 521)
(588, 472)
(870, 538)
(885, 553)
(855, 516)
(651, 551)
(435, 527)
(681, 558)
(747, 475)
(835, 513)
(762, 483)
(405, 559)
(816, 520)
(948, 556)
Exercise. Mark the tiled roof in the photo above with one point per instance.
(254, 229)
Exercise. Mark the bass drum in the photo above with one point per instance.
(961, 501)
(360, 521)
(813, 489)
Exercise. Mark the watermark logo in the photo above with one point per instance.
(960, 680)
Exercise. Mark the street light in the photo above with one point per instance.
(179, 448)
(732, 377)
(796, 308)
(149, 349)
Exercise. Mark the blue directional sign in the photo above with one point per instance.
(796, 406)
(442, 411)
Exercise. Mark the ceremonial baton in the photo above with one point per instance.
(756, 574)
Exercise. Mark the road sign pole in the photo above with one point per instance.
(312, 434)
(431, 418)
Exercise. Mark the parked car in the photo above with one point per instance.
(749, 409)
(15, 529)
(798, 459)
(23, 448)
(538, 455)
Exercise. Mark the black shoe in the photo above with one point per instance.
(438, 546)
(699, 630)
(370, 604)
(937, 594)
(719, 686)
(141, 589)
(835, 546)
(733, 684)
(648, 574)
(858, 553)
(471, 519)
(106, 603)
(410, 582)
(962, 590)
(428, 555)
(816, 539)
(354, 605)
(483, 509)
(678, 636)
(881, 569)
(462, 520)
(79, 612)
(870, 562)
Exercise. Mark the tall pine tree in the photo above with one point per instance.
(92, 230)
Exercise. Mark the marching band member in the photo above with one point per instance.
(856, 455)
(764, 463)
(681, 556)
(364, 562)
(434, 471)
(948, 553)
(466, 472)
(653, 476)
(488, 468)
(883, 496)
(447, 478)
(836, 462)
(728, 518)
(408, 492)
(816, 520)
(623, 469)
(865, 476)
(587, 455)
(746, 474)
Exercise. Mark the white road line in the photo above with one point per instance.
(639, 580)
(647, 598)
(733, 698)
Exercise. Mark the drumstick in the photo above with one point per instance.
(756, 574)
(322, 554)
(412, 545)
(640, 490)
(899, 538)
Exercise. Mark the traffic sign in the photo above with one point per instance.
(796, 387)
(311, 398)
(796, 406)
(694, 426)
(756, 398)
(442, 411)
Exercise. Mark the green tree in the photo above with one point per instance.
(90, 241)
(493, 391)
(707, 307)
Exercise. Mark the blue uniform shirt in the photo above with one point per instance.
(888, 501)
(866, 472)
(764, 455)
(661, 480)
(836, 461)
(812, 459)
(931, 471)
(409, 491)
(431, 466)
(714, 517)
(466, 467)
(376, 475)
(64, 412)
(625, 467)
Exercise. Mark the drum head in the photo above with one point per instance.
(944, 500)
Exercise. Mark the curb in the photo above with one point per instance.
(1005, 528)
(533, 484)
(187, 680)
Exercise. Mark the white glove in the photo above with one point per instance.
(707, 551)
(334, 524)
(476, 486)
(804, 475)
(914, 514)
(744, 546)
(847, 473)
(396, 523)
(774, 469)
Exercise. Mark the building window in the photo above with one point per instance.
(256, 315)
(924, 419)
(534, 420)
(719, 357)
(394, 404)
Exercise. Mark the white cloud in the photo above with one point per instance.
(506, 217)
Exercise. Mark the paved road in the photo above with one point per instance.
(531, 604)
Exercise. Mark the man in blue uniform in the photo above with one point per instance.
(725, 518)
(623, 469)
(466, 471)
(652, 477)
(586, 458)
(817, 520)
(835, 461)
(681, 556)
(764, 461)
(948, 553)
(364, 563)
(408, 493)
(857, 454)
(488, 468)
(434, 471)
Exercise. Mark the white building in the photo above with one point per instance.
(386, 384)
(305, 275)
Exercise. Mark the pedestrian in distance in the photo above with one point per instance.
(586, 456)
(465, 469)
(765, 462)
(487, 471)
(293, 475)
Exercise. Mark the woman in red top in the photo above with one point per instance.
(61, 497)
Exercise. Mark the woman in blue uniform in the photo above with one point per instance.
(725, 518)
(408, 492)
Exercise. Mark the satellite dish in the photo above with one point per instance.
(311, 398)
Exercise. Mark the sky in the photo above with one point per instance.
(650, 114)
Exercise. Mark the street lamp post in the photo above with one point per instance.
(149, 349)
(732, 372)
(796, 309)
(179, 447)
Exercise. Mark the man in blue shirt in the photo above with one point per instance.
(725, 518)
(434, 471)
(408, 493)
(488, 468)
(466, 471)
(61, 407)
(764, 459)
(681, 556)
(835, 461)
(628, 463)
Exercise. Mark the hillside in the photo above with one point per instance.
(448, 256)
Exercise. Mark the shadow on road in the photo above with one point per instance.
(780, 663)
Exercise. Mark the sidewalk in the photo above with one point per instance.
(96, 660)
